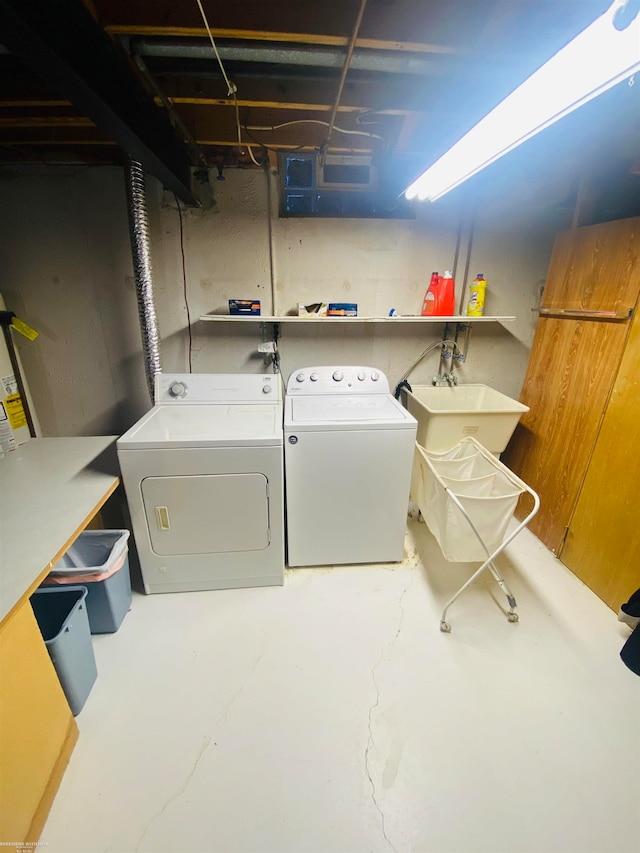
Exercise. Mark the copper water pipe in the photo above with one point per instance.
(345, 69)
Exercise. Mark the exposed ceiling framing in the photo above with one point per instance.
(421, 72)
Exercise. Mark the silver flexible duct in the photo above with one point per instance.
(139, 235)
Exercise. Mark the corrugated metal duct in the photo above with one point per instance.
(139, 234)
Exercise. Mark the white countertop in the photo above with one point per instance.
(50, 488)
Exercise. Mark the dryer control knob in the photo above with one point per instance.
(375, 376)
(314, 377)
(177, 389)
(267, 389)
(300, 377)
(362, 376)
(338, 375)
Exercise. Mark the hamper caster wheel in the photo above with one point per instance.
(513, 617)
(445, 627)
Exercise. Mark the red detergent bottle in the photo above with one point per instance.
(447, 296)
(440, 298)
(431, 296)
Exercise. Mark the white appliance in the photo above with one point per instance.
(348, 456)
(203, 474)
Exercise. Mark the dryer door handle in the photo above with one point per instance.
(162, 517)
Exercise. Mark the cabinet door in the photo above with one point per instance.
(595, 268)
(603, 546)
(37, 730)
(568, 381)
(573, 365)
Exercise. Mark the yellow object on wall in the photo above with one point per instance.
(15, 411)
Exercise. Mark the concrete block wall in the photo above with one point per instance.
(65, 266)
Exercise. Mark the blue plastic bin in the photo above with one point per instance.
(61, 615)
(93, 553)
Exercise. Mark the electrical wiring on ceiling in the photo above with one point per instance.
(232, 89)
(314, 121)
(266, 147)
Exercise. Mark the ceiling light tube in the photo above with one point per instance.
(594, 61)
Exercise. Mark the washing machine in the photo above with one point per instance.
(348, 456)
(204, 480)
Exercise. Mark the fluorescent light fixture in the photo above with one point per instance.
(594, 61)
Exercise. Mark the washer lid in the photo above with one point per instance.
(206, 426)
(356, 411)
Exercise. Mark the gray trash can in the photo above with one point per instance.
(61, 615)
(98, 559)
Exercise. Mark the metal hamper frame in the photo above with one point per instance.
(418, 492)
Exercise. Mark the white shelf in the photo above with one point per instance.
(263, 318)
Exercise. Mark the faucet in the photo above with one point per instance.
(445, 379)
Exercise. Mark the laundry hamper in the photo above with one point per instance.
(467, 498)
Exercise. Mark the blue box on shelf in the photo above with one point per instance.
(342, 309)
(244, 306)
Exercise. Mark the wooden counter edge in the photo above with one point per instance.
(43, 574)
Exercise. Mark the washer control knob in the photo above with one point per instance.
(314, 377)
(338, 375)
(300, 377)
(267, 389)
(362, 376)
(177, 389)
(375, 376)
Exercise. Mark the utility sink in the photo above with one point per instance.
(445, 414)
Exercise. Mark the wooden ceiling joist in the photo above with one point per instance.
(281, 105)
(45, 121)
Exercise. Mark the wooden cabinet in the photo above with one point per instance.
(584, 409)
(37, 730)
(596, 268)
(602, 545)
(50, 489)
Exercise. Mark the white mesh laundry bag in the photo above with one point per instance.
(486, 489)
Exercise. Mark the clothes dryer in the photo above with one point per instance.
(348, 457)
(203, 475)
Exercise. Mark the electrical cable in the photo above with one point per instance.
(238, 125)
(232, 89)
(270, 147)
(184, 282)
(314, 121)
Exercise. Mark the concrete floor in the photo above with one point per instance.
(332, 715)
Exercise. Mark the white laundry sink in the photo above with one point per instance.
(445, 414)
